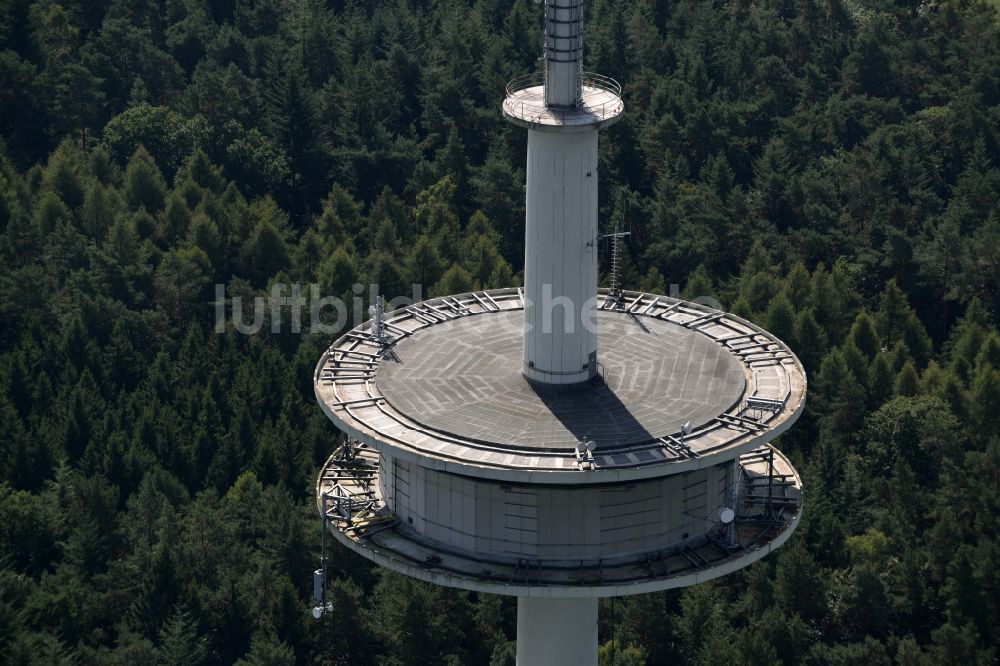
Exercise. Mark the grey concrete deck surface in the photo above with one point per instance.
(447, 390)
(463, 377)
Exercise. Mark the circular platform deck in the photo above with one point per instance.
(447, 391)
(601, 105)
(463, 378)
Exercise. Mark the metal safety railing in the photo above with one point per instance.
(594, 99)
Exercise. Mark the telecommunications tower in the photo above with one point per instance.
(559, 443)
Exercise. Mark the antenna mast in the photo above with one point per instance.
(615, 293)
(377, 313)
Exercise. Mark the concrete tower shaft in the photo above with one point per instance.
(560, 257)
(563, 52)
(556, 632)
(562, 115)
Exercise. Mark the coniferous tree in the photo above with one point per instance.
(144, 186)
(291, 119)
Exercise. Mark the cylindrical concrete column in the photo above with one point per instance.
(560, 257)
(563, 51)
(556, 632)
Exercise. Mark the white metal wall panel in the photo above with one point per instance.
(402, 505)
(521, 521)
(557, 522)
(386, 479)
(468, 513)
(696, 502)
(553, 523)
(418, 492)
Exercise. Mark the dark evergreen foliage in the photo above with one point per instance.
(830, 169)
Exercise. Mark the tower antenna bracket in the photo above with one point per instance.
(378, 333)
(615, 293)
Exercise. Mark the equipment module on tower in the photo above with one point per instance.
(558, 442)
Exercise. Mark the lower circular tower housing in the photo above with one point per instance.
(655, 474)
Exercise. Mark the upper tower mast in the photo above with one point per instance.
(563, 48)
(562, 110)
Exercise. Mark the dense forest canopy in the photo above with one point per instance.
(827, 168)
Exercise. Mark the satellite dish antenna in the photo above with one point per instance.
(580, 448)
(319, 611)
(591, 445)
(687, 428)
(727, 515)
